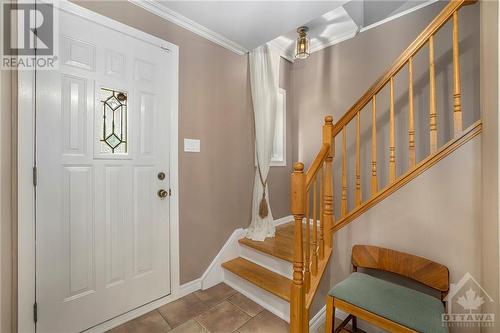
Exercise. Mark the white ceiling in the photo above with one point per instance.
(251, 23)
(243, 25)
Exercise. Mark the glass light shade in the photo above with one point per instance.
(302, 44)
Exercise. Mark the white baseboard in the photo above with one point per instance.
(318, 320)
(283, 220)
(231, 249)
(183, 290)
(214, 274)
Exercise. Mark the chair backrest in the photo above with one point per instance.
(420, 269)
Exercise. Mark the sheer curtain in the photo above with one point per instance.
(264, 66)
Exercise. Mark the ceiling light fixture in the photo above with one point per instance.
(302, 44)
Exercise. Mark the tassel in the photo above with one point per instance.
(263, 210)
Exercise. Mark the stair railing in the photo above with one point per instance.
(312, 191)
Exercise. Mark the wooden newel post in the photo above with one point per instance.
(298, 206)
(328, 180)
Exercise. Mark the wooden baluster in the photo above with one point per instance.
(343, 210)
(321, 221)
(374, 146)
(432, 98)
(328, 181)
(411, 124)
(392, 144)
(307, 245)
(457, 104)
(305, 321)
(297, 294)
(314, 269)
(358, 161)
(333, 184)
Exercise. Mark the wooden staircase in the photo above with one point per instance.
(268, 280)
(281, 247)
(306, 243)
(265, 266)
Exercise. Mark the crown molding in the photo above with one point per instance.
(168, 14)
(281, 50)
(182, 21)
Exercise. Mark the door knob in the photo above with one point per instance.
(162, 194)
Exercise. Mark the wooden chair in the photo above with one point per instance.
(388, 305)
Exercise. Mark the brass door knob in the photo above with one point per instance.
(162, 194)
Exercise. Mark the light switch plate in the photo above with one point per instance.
(192, 145)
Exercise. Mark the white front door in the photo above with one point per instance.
(102, 148)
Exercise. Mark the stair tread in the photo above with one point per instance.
(280, 246)
(260, 276)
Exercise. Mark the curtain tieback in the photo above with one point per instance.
(263, 209)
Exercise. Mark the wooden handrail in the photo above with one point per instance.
(414, 47)
(317, 164)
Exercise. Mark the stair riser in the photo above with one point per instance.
(267, 300)
(274, 264)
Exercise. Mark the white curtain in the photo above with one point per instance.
(264, 66)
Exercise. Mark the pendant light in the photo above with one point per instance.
(302, 44)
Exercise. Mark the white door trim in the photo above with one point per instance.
(26, 148)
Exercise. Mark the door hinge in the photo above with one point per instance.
(169, 192)
(35, 176)
(35, 312)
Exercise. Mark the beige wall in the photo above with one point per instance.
(437, 216)
(331, 80)
(489, 114)
(214, 106)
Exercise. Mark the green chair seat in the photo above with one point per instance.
(405, 306)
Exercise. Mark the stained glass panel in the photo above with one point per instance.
(114, 121)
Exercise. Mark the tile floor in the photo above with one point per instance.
(218, 309)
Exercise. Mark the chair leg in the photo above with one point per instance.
(330, 315)
(354, 324)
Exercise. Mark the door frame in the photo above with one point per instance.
(26, 258)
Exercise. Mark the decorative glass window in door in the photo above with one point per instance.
(114, 121)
